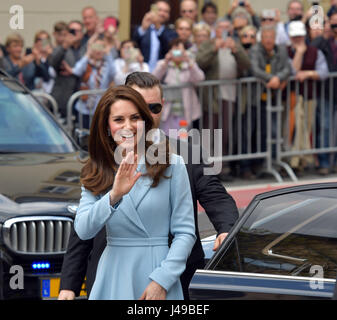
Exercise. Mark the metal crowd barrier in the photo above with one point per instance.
(260, 123)
(42, 96)
(241, 121)
(70, 123)
(313, 110)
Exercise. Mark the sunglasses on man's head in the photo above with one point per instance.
(267, 19)
(155, 107)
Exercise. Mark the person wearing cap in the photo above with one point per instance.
(299, 51)
(308, 63)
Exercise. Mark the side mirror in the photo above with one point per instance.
(82, 138)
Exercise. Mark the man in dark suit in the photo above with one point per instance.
(153, 36)
(82, 256)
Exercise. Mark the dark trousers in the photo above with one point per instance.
(213, 122)
(186, 277)
(253, 136)
(323, 131)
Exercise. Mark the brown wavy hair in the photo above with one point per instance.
(99, 170)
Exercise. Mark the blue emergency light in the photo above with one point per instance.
(40, 265)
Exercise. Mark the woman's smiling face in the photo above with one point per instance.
(126, 124)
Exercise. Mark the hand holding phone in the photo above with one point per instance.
(134, 52)
(131, 55)
(154, 9)
(45, 43)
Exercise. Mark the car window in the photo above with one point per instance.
(26, 127)
(292, 234)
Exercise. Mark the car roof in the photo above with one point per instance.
(262, 196)
(15, 83)
(4, 73)
(302, 187)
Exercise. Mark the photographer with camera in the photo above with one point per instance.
(41, 74)
(153, 36)
(96, 70)
(130, 60)
(243, 8)
(26, 67)
(180, 103)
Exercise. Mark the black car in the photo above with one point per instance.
(39, 193)
(284, 246)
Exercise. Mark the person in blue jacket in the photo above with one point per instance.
(138, 203)
(154, 35)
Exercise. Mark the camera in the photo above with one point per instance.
(268, 13)
(131, 54)
(154, 8)
(177, 53)
(72, 31)
(45, 43)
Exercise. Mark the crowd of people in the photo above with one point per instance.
(88, 54)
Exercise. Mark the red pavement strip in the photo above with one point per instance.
(243, 195)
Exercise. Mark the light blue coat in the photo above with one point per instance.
(137, 229)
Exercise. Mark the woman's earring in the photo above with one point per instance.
(109, 133)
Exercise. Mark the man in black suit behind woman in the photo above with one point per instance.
(82, 257)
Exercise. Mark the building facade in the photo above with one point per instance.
(42, 14)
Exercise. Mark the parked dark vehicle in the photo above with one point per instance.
(284, 246)
(39, 193)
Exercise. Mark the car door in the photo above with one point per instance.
(283, 247)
